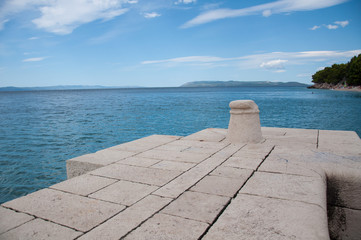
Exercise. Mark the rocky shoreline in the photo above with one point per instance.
(338, 87)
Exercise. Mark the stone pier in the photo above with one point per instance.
(293, 184)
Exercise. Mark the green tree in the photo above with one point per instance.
(349, 72)
(353, 75)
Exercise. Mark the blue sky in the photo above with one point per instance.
(165, 43)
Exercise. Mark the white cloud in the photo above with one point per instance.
(267, 13)
(276, 7)
(190, 59)
(277, 64)
(185, 1)
(37, 59)
(331, 27)
(2, 23)
(315, 27)
(342, 23)
(151, 15)
(273, 61)
(63, 16)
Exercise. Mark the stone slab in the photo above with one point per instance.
(243, 162)
(162, 227)
(151, 176)
(190, 149)
(145, 143)
(272, 131)
(86, 163)
(123, 223)
(175, 166)
(199, 144)
(39, 229)
(124, 192)
(287, 165)
(254, 217)
(175, 156)
(189, 178)
(291, 187)
(139, 161)
(221, 186)
(103, 157)
(10, 219)
(197, 206)
(208, 135)
(232, 172)
(84, 184)
(75, 168)
(71, 210)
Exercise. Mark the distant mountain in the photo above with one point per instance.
(242, 84)
(66, 87)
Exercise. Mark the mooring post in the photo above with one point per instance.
(244, 124)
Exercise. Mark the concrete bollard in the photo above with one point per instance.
(244, 124)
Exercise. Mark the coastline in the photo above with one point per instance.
(338, 87)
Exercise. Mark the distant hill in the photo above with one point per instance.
(66, 87)
(243, 84)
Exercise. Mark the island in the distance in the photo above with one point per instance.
(243, 84)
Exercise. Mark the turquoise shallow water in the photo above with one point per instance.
(40, 130)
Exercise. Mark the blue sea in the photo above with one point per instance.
(40, 130)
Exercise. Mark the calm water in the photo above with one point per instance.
(40, 130)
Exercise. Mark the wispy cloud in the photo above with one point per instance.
(333, 26)
(151, 15)
(185, 1)
(342, 23)
(63, 16)
(315, 27)
(273, 61)
(276, 7)
(36, 59)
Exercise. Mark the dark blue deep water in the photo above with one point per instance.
(40, 130)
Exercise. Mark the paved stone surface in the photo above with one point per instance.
(168, 187)
(175, 156)
(243, 162)
(129, 219)
(254, 217)
(139, 161)
(39, 229)
(197, 206)
(290, 187)
(124, 192)
(84, 184)
(164, 227)
(189, 178)
(74, 211)
(289, 165)
(175, 166)
(10, 219)
(339, 142)
(209, 135)
(232, 172)
(151, 176)
(222, 186)
(145, 143)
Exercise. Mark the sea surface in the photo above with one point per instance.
(40, 130)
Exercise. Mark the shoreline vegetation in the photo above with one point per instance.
(340, 77)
